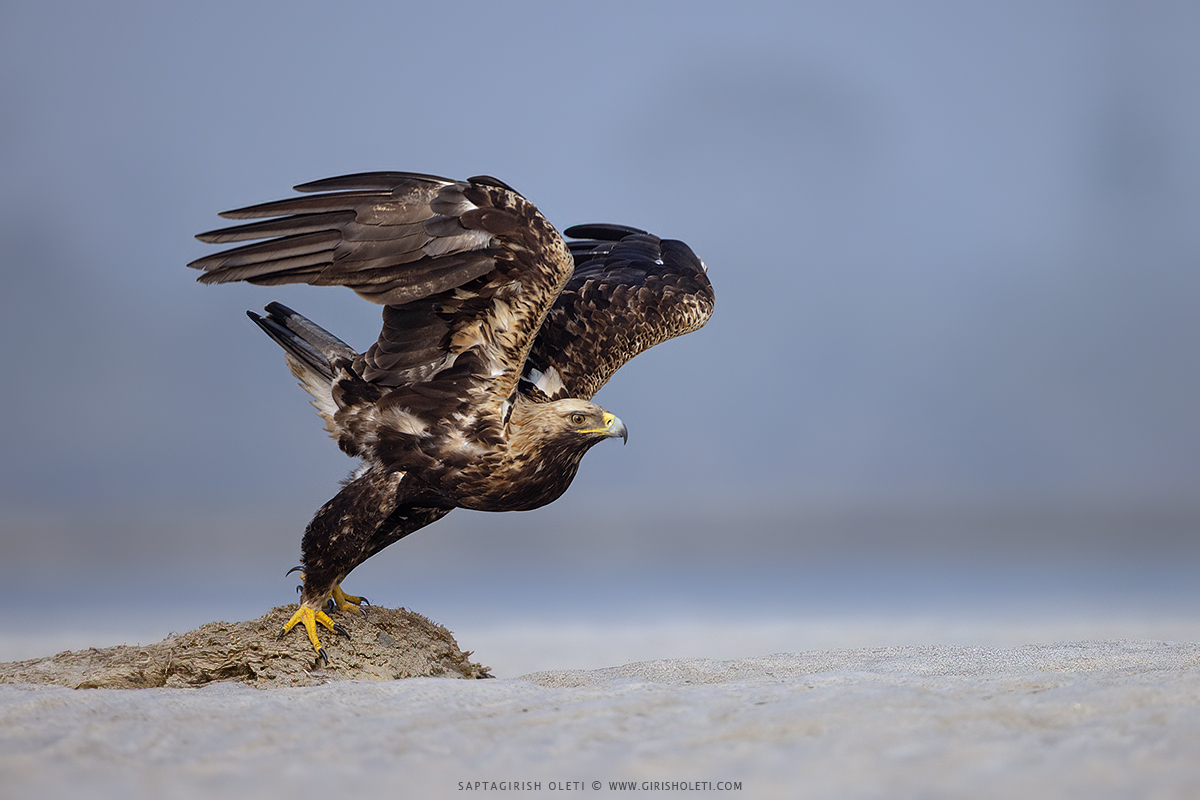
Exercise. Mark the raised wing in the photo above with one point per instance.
(465, 270)
(630, 291)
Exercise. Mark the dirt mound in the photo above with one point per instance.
(387, 644)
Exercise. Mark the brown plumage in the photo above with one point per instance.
(496, 335)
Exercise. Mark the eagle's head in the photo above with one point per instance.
(578, 424)
(558, 433)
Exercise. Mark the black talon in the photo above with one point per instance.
(296, 568)
(321, 657)
(339, 629)
(330, 606)
(299, 589)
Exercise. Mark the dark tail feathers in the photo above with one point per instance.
(306, 341)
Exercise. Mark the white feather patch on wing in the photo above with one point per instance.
(547, 382)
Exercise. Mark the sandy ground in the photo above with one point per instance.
(1097, 719)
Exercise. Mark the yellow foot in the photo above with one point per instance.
(310, 617)
(348, 602)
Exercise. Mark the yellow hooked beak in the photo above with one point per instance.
(613, 427)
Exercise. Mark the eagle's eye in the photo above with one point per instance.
(577, 418)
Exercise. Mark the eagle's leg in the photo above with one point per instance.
(362, 519)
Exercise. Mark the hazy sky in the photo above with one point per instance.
(954, 245)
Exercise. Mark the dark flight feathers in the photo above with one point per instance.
(471, 264)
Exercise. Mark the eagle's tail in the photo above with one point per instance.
(303, 339)
(312, 354)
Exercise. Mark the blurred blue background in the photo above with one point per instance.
(952, 371)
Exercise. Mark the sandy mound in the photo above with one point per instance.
(389, 643)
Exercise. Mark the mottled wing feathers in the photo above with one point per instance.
(465, 269)
(630, 291)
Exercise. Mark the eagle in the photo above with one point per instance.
(497, 332)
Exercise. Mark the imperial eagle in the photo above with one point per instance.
(496, 334)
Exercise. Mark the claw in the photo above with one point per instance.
(339, 629)
(322, 659)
